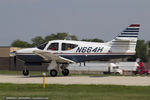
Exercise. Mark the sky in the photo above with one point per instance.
(103, 19)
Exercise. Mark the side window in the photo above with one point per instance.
(53, 47)
(67, 46)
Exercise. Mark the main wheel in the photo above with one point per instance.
(53, 72)
(65, 72)
(25, 72)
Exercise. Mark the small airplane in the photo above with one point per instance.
(60, 53)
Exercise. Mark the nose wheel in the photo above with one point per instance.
(25, 72)
(65, 72)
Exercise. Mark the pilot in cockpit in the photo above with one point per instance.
(68, 47)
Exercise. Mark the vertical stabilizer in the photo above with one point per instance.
(125, 42)
(130, 33)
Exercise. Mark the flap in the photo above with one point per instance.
(48, 56)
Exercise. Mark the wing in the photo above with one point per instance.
(48, 56)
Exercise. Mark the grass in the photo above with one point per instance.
(10, 72)
(76, 92)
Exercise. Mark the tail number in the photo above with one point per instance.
(89, 49)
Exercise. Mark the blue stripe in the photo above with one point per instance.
(81, 58)
(132, 29)
(129, 33)
(127, 36)
(76, 58)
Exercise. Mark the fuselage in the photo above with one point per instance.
(77, 51)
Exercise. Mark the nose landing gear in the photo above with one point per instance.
(25, 72)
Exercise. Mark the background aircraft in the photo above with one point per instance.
(60, 53)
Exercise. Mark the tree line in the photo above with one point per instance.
(36, 41)
(142, 48)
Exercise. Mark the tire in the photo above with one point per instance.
(25, 72)
(117, 73)
(53, 73)
(135, 73)
(65, 72)
(145, 73)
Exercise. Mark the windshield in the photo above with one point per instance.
(42, 46)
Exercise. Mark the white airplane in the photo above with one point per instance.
(60, 53)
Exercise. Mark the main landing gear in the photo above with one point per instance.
(54, 69)
(65, 72)
(54, 72)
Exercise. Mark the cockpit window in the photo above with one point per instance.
(68, 46)
(53, 46)
(42, 46)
